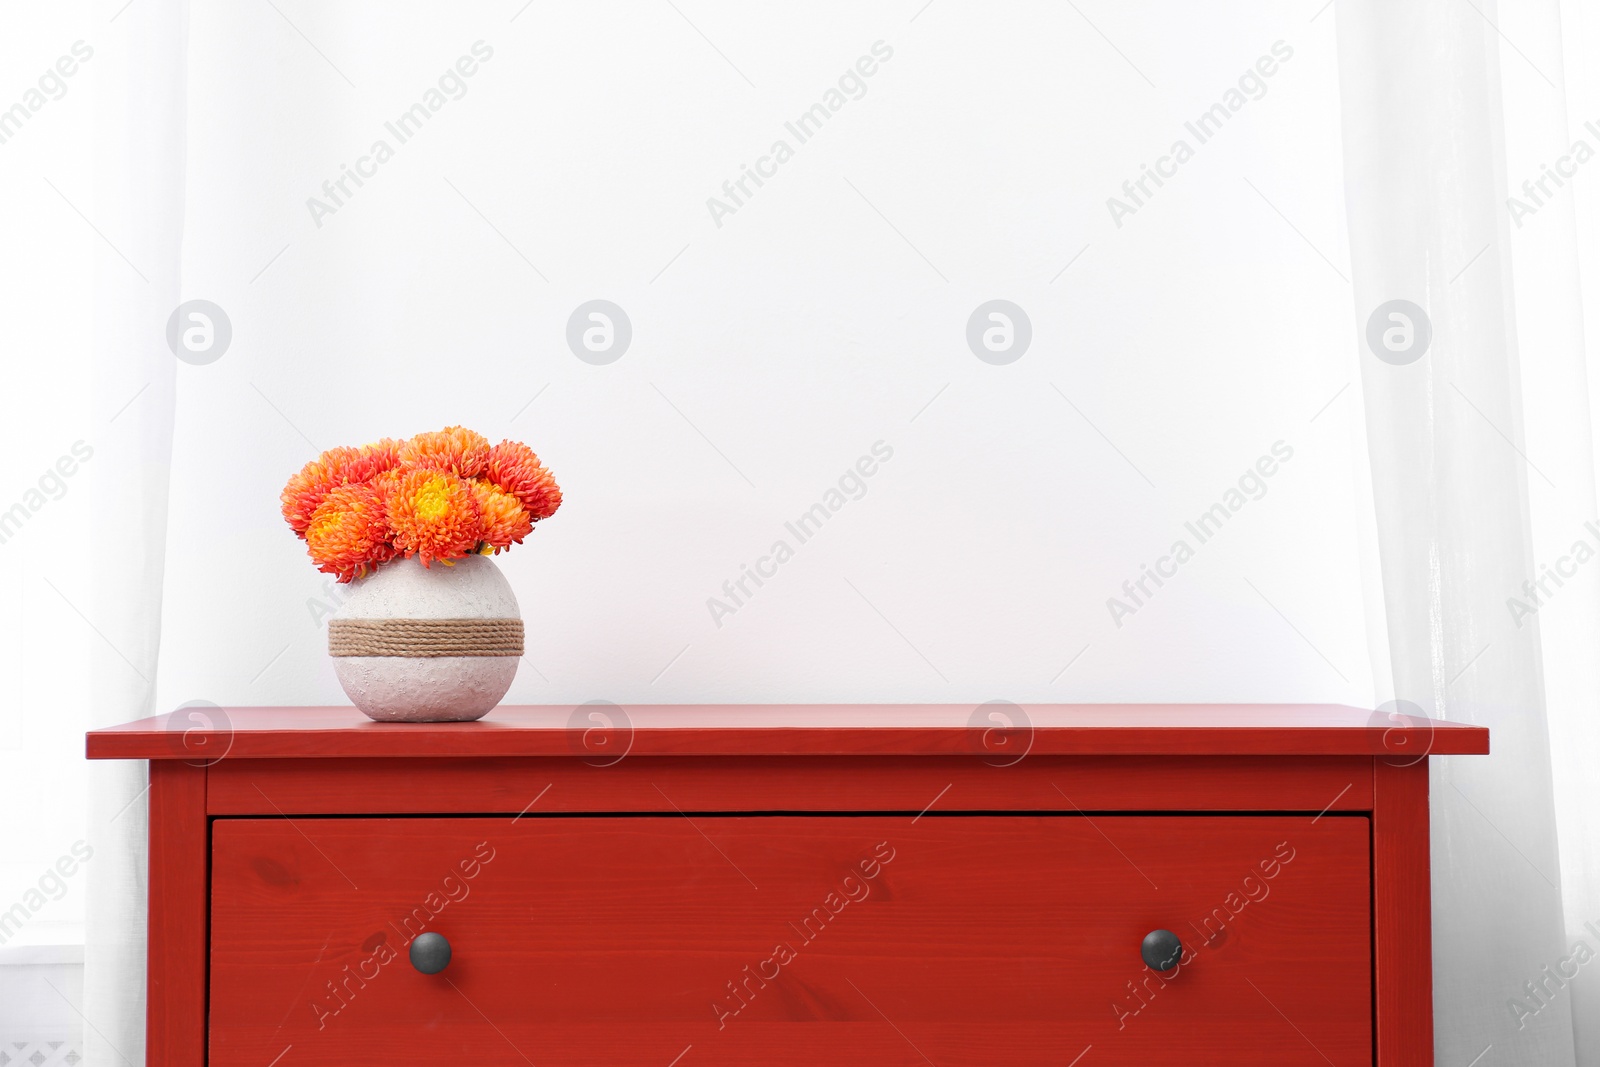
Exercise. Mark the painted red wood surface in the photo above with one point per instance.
(1402, 934)
(964, 941)
(794, 783)
(179, 886)
(753, 730)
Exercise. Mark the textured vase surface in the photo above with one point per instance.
(443, 599)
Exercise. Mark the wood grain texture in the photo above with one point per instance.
(797, 783)
(175, 1016)
(818, 730)
(962, 941)
(1402, 914)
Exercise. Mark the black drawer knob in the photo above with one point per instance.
(430, 953)
(1161, 950)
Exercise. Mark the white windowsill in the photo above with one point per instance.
(44, 943)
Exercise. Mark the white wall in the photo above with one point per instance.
(769, 353)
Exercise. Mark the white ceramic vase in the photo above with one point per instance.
(427, 644)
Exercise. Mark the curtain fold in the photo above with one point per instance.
(139, 197)
(1436, 319)
(1548, 128)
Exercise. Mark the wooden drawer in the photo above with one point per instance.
(961, 940)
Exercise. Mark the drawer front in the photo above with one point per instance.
(791, 941)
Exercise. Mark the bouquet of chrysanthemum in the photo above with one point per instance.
(439, 496)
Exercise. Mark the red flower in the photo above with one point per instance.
(335, 467)
(514, 467)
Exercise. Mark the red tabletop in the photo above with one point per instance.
(799, 729)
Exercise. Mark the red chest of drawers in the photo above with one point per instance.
(790, 886)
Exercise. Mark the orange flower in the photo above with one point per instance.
(348, 532)
(454, 448)
(335, 467)
(383, 454)
(439, 495)
(514, 468)
(505, 522)
(434, 515)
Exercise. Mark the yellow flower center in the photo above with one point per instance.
(432, 499)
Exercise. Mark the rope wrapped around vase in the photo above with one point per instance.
(425, 637)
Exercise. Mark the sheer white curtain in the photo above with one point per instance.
(1552, 129)
(1478, 421)
(139, 195)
